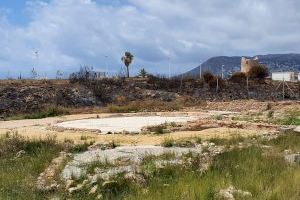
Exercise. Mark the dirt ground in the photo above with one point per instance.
(41, 128)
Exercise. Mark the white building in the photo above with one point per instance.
(299, 76)
(286, 76)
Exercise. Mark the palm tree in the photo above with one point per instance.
(143, 73)
(127, 60)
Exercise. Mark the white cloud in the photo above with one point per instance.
(68, 33)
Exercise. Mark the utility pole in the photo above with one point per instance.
(217, 83)
(169, 59)
(181, 83)
(284, 86)
(36, 54)
(200, 70)
(222, 71)
(247, 85)
(106, 66)
(283, 89)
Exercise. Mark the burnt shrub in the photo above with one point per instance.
(258, 72)
(238, 77)
(85, 74)
(175, 84)
(208, 77)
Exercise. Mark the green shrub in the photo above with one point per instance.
(12, 143)
(18, 175)
(80, 147)
(51, 111)
(218, 117)
(270, 114)
(123, 109)
(168, 142)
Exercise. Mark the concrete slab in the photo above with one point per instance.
(297, 129)
(120, 124)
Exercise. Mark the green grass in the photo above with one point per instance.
(52, 111)
(263, 172)
(18, 175)
(290, 118)
(218, 117)
(235, 140)
(168, 142)
(265, 175)
(122, 109)
(78, 148)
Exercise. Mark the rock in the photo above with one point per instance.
(55, 198)
(164, 163)
(145, 191)
(285, 129)
(74, 189)
(293, 158)
(297, 129)
(46, 181)
(102, 146)
(109, 185)
(228, 193)
(108, 174)
(287, 152)
(20, 154)
(94, 189)
(69, 183)
(134, 154)
(99, 196)
(85, 182)
(137, 178)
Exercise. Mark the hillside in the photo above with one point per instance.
(30, 96)
(275, 62)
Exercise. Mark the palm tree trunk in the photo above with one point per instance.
(127, 67)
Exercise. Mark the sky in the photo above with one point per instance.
(68, 34)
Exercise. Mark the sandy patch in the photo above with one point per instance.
(40, 129)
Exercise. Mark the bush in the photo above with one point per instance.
(12, 143)
(259, 72)
(168, 142)
(121, 100)
(208, 77)
(157, 129)
(270, 114)
(51, 111)
(81, 147)
(238, 77)
(123, 109)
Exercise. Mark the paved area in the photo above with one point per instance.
(120, 124)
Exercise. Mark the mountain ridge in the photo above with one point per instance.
(274, 62)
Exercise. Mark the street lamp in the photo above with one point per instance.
(222, 71)
(106, 66)
(200, 69)
(169, 58)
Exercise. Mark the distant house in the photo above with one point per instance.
(247, 64)
(284, 76)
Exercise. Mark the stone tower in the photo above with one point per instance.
(247, 64)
